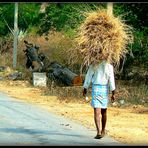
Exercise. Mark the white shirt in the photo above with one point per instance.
(102, 74)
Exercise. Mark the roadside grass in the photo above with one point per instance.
(130, 93)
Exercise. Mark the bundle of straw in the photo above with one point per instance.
(103, 37)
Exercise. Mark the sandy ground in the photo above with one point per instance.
(125, 124)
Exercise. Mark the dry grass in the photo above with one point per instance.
(101, 36)
(126, 124)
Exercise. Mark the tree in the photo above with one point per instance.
(135, 14)
(28, 16)
(64, 16)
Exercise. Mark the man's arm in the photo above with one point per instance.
(87, 81)
(84, 92)
(112, 84)
(113, 96)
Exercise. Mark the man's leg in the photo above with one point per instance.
(97, 114)
(104, 119)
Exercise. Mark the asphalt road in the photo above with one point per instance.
(24, 124)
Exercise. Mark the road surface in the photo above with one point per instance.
(24, 124)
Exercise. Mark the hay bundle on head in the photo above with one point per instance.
(103, 37)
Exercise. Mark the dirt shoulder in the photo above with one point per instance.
(127, 125)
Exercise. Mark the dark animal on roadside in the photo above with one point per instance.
(34, 60)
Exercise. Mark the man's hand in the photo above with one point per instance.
(84, 92)
(112, 98)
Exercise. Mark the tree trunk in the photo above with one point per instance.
(65, 76)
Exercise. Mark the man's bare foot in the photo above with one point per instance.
(103, 133)
(98, 136)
